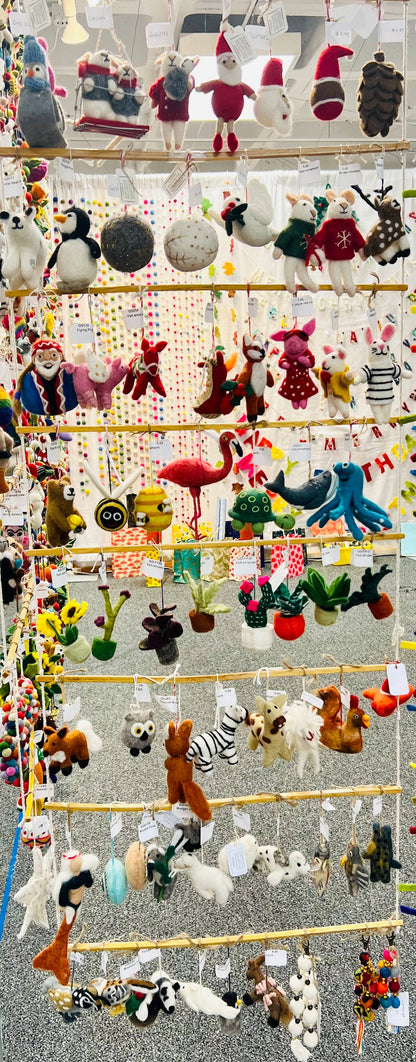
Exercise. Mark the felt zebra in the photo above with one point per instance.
(220, 740)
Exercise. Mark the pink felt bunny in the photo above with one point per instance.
(95, 379)
(297, 359)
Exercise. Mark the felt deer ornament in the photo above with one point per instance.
(144, 370)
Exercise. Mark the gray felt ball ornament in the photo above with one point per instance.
(127, 243)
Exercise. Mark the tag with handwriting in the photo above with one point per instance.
(309, 170)
(240, 44)
(134, 318)
(362, 558)
(241, 819)
(160, 448)
(147, 828)
(168, 701)
(252, 306)
(149, 954)
(116, 824)
(59, 576)
(130, 968)
(53, 450)
(152, 568)
(236, 859)
(275, 957)
(71, 710)
(391, 29)
(81, 333)
(262, 455)
(330, 554)
(223, 970)
(245, 566)
(349, 173)
(310, 698)
(226, 697)
(207, 564)
(275, 20)
(142, 693)
(65, 167)
(159, 34)
(397, 679)
(302, 306)
(12, 186)
(300, 451)
(338, 33)
(100, 17)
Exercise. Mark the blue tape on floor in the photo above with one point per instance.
(9, 880)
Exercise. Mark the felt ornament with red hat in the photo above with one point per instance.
(228, 93)
(327, 96)
(45, 387)
(144, 369)
(272, 108)
(297, 359)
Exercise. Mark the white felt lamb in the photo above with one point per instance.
(26, 249)
(209, 882)
(302, 729)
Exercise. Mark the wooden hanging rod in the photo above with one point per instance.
(140, 290)
(232, 676)
(239, 801)
(137, 155)
(144, 429)
(167, 547)
(18, 629)
(241, 938)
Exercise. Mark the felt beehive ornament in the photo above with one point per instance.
(379, 96)
(327, 96)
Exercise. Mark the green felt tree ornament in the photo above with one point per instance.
(104, 648)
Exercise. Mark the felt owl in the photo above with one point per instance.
(139, 730)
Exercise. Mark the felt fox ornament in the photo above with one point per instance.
(179, 772)
(253, 379)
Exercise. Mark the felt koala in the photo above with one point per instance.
(26, 249)
(138, 731)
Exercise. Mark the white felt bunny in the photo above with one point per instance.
(379, 373)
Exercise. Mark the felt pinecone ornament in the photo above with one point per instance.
(379, 96)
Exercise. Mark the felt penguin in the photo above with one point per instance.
(76, 257)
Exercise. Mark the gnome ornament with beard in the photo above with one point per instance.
(228, 93)
(44, 387)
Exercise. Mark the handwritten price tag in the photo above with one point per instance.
(153, 569)
(133, 318)
(81, 333)
(159, 34)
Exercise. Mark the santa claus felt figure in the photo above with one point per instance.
(272, 108)
(327, 96)
(44, 387)
(227, 94)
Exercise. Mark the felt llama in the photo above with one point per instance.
(301, 730)
(219, 741)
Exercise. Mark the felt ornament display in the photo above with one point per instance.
(228, 92)
(45, 387)
(153, 509)
(170, 95)
(272, 107)
(163, 632)
(387, 240)
(379, 604)
(339, 239)
(292, 242)
(135, 866)
(267, 992)
(6, 447)
(209, 882)
(193, 473)
(380, 93)
(18, 717)
(328, 96)
(160, 872)
(289, 621)
(321, 866)
(248, 220)
(296, 361)
(252, 508)
(220, 741)
(335, 378)
(66, 747)
(127, 242)
(110, 94)
(55, 956)
(302, 733)
(190, 244)
(336, 734)
(347, 500)
(95, 379)
(181, 787)
(202, 1000)
(143, 370)
(138, 730)
(76, 256)
(356, 873)
(202, 616)
(62, 519)
(327, 598)
(213, 401)
(251, 852)
(39, 114)
(385, 703)
(34, 895)
(380, 372)
(114, 881)
(74, 877)
(379, 853)
(266, 729)
(256, 632)
(104, 648)
(294, 866)
(26, 251)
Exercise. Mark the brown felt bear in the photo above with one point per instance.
(180, 785)
(266, 991)
(61, 517)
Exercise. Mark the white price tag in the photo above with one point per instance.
(65, 167)
(338, 33)
(168, 701)
(310, 698)
(223, 970)
(207, 832)
(356, 808)
(134, 318)
(182, 811)
(116, 824)
(391, 29)
(99, 17)
(59, 576)
(245, 566)
(130, 968)
(53, 450)
(252, 306)
(279, 575)
(226, 697)
(207, 564)
(68, 837)
(240, 44)
(334, 319)
(330, 554)
(377, 806)
(236, 859)
(275, 20)
(327, 806)
(241, 819)
(242, 172)
(147, 827)
(300, 451)
(272, 694)
(175, 181)
(38, 14)
(43, 792)
(128, 192)
(104, 961)
(349, 173)
(400, 1016)
(42, 589)
(102, 572)
(194, 193)
(142, 693)
(324, 828)
(209, 313)
(379, 165)
(19, 24)
(159, 34)
(309, 170)
(71, 710)
(40, 824)
(262, 455)
(302, 306)
(275, 957)
(153, 568)
(258, 37)
(160, 448)
(362, 558)
(12, 186)
(372, 315)
(397, 679)
(345, 696)
(167, 818)
(149, 955)
(76, 957)
(113, 185)
(202, 958)
(81, 333)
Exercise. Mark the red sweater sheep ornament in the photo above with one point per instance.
(297, 359)
(144, 369)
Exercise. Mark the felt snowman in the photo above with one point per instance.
(272, 108)
(228, 93)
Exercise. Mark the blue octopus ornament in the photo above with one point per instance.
(347, 500)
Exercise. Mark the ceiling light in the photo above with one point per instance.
(73, 33)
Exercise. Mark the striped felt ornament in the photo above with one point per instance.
(327, 96)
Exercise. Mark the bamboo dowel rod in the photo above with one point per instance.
(232, 676)
(18, 629)
(241, 938)
(363, 148)
(113, 289)
(206, 544)
(239, 801)
(145, 429)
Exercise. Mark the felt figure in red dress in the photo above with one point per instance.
(144, 369)
(170, 94)
(297, 359)
(339, 239)
(227, 94)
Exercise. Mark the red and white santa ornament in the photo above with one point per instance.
(327, 96)
(272, 108)
(228, 93)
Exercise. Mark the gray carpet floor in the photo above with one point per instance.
(34, 1031)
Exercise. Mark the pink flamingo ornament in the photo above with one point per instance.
(193, 473)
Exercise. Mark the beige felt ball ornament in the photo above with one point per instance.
(127, 243)
(190, 243)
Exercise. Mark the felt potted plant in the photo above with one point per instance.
(162, 633)
(104, 648)
(327, 599)
(289, 621)
(368, 594)
(64, 629)
(256, 632)
(202, 617)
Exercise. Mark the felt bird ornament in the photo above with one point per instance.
(249, 221)
(336, 734)
(76, 256)
(37, 891)
(193, 473)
